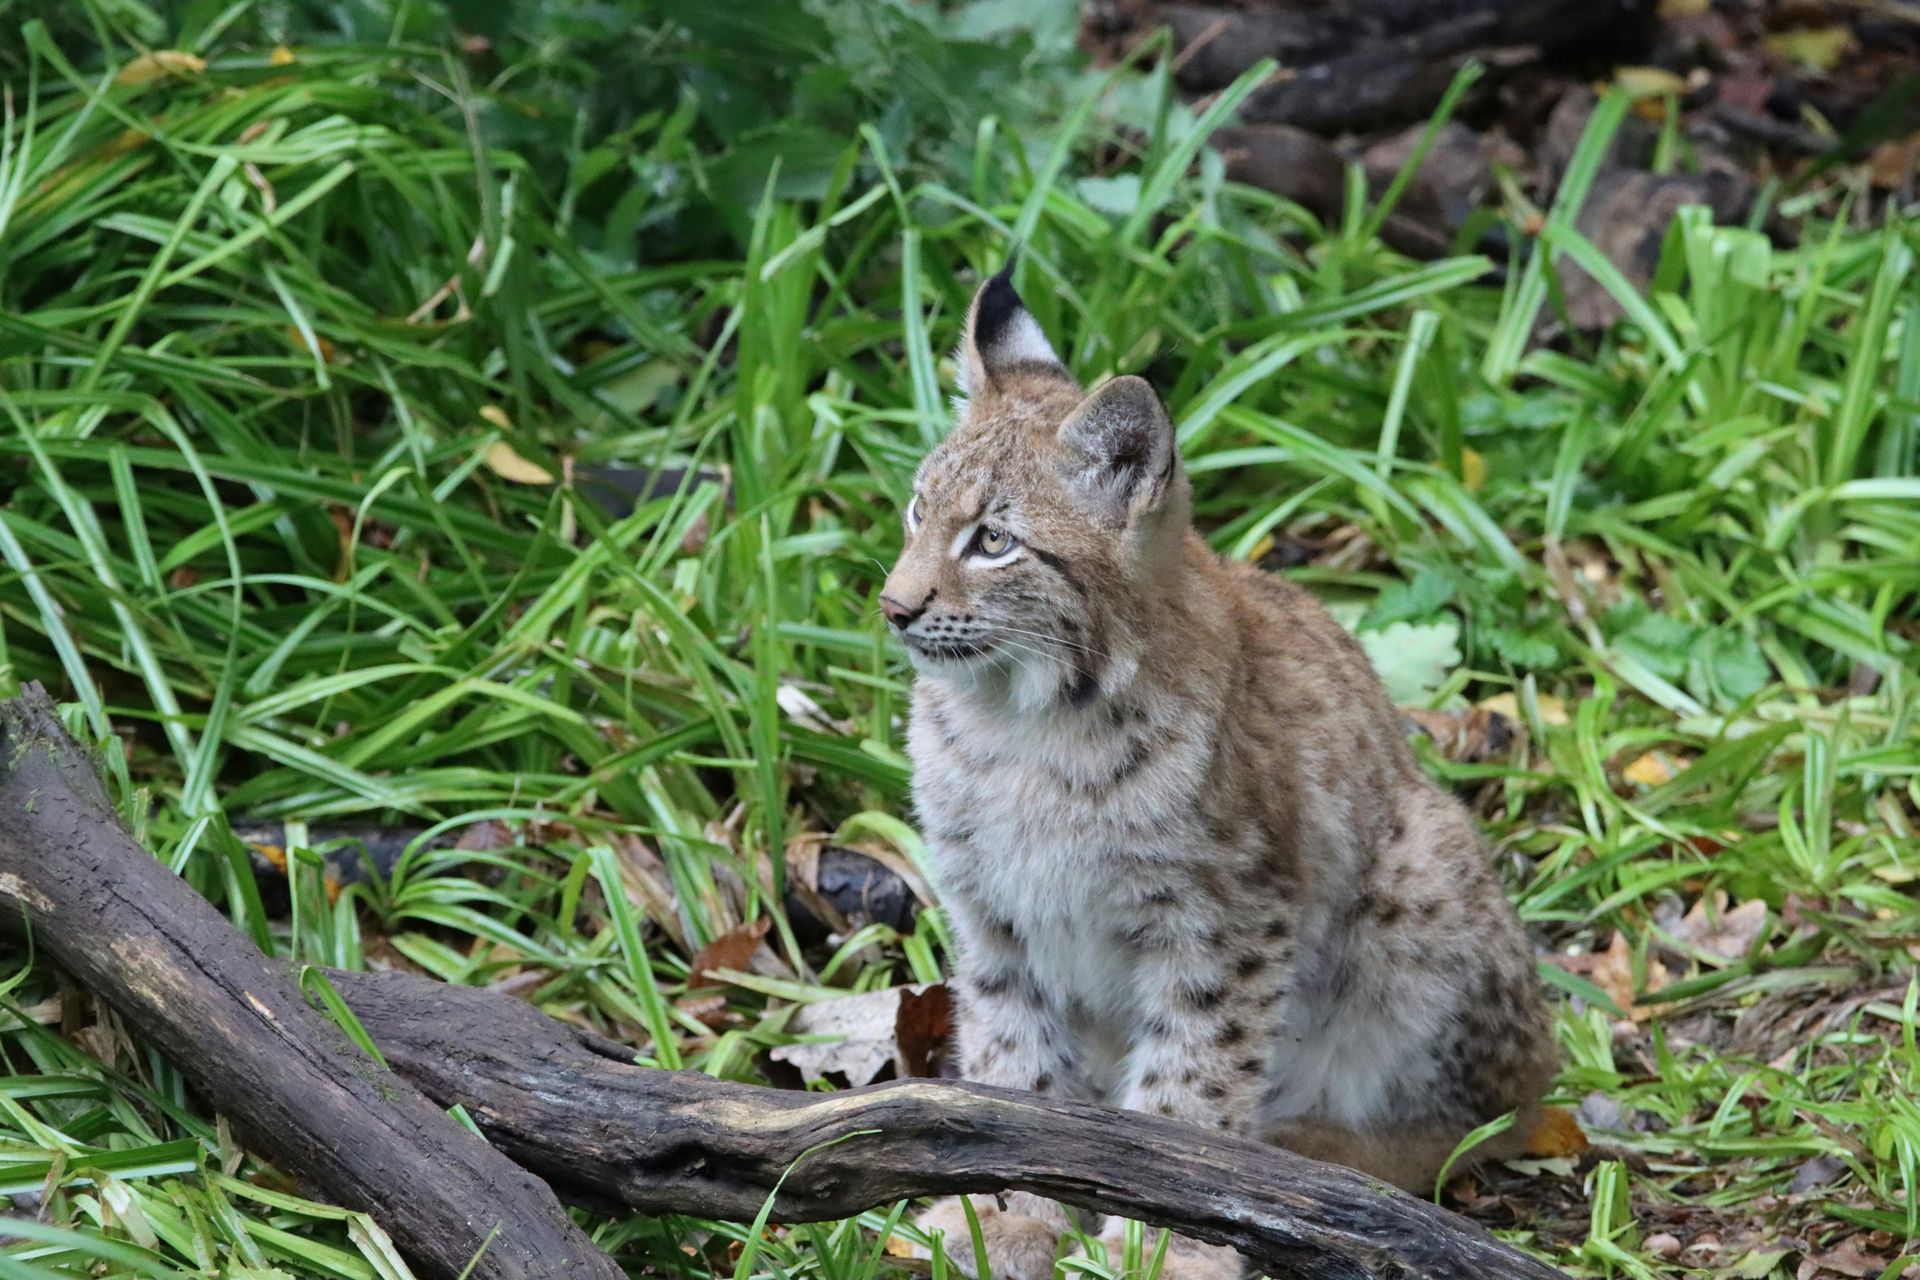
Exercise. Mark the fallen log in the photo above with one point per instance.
(568, 1104)
(239, 1029)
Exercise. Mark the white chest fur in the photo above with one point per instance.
(1032, 819)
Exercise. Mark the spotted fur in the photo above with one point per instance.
(1191, 865)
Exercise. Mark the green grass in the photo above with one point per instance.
(251, 531)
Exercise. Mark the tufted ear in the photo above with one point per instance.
(1118, 451)
(1002, 336)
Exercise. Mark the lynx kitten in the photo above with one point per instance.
(1191, 865)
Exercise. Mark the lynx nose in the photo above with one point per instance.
(899, 614)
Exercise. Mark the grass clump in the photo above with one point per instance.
(309, 344)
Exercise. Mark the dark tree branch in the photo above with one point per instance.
(568, 1105)
(238, 1028)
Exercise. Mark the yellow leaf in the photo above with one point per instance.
(1552, 710)
(497, 416)
(160, 62)
(1648, 82)
(1816, 48)
(1473, 470)
(282, 56)
(899, 1247)
(1651, 769)
(504, 462)
(1558, 1134)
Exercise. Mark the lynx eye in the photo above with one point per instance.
(913, 512)
(992, 542)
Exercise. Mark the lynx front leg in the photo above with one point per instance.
(1010, 1035)
(1209, 997)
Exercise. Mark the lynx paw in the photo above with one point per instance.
(1019, 1247)
(1186, 1259)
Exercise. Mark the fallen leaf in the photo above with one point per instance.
(157, 63)
(1552, 710)
(1847, 1258)
(707, 1004)
(1662, 1244)
(1648, 82)
(1816, 48)
(281, 56)
(1815, 1173)
(855, 1037)
(1557, 1134)
(1474, 736)
(1725, 934)
(1756, 1264)
(1889, 165)
(1612, 972)
(488, 834)
(731, 950)
(923, 1030)
(504, 462)
(1655, 768)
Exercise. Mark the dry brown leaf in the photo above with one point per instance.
(859, 1037)
(1724, 934)
(731, 950)
(488, 834)
(504, 461)
(923, 1030)
(1474, 736)
(1612, 972)
(1889, 165)
(1557, 1134)
(1848, 1258)
(156, 63)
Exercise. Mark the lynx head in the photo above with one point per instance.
(1037, 526)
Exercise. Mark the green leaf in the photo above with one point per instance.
(1415, 600)
(1413, 659)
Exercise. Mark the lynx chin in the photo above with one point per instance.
(1191, 865)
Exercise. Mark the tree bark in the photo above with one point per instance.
(567, 1104)
(239, 1029)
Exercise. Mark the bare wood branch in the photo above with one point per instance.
(239, 1029)
(568, 1105)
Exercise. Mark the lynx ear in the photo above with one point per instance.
(1002, 335)
(1118, 450)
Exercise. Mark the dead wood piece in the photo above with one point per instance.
(191, 985)
(1300, 166)
(567, 1104)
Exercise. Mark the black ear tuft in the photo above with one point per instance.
(1002, 336)
(998, 304)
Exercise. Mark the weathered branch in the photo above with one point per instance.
(238, 1028)
(566, 1104)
